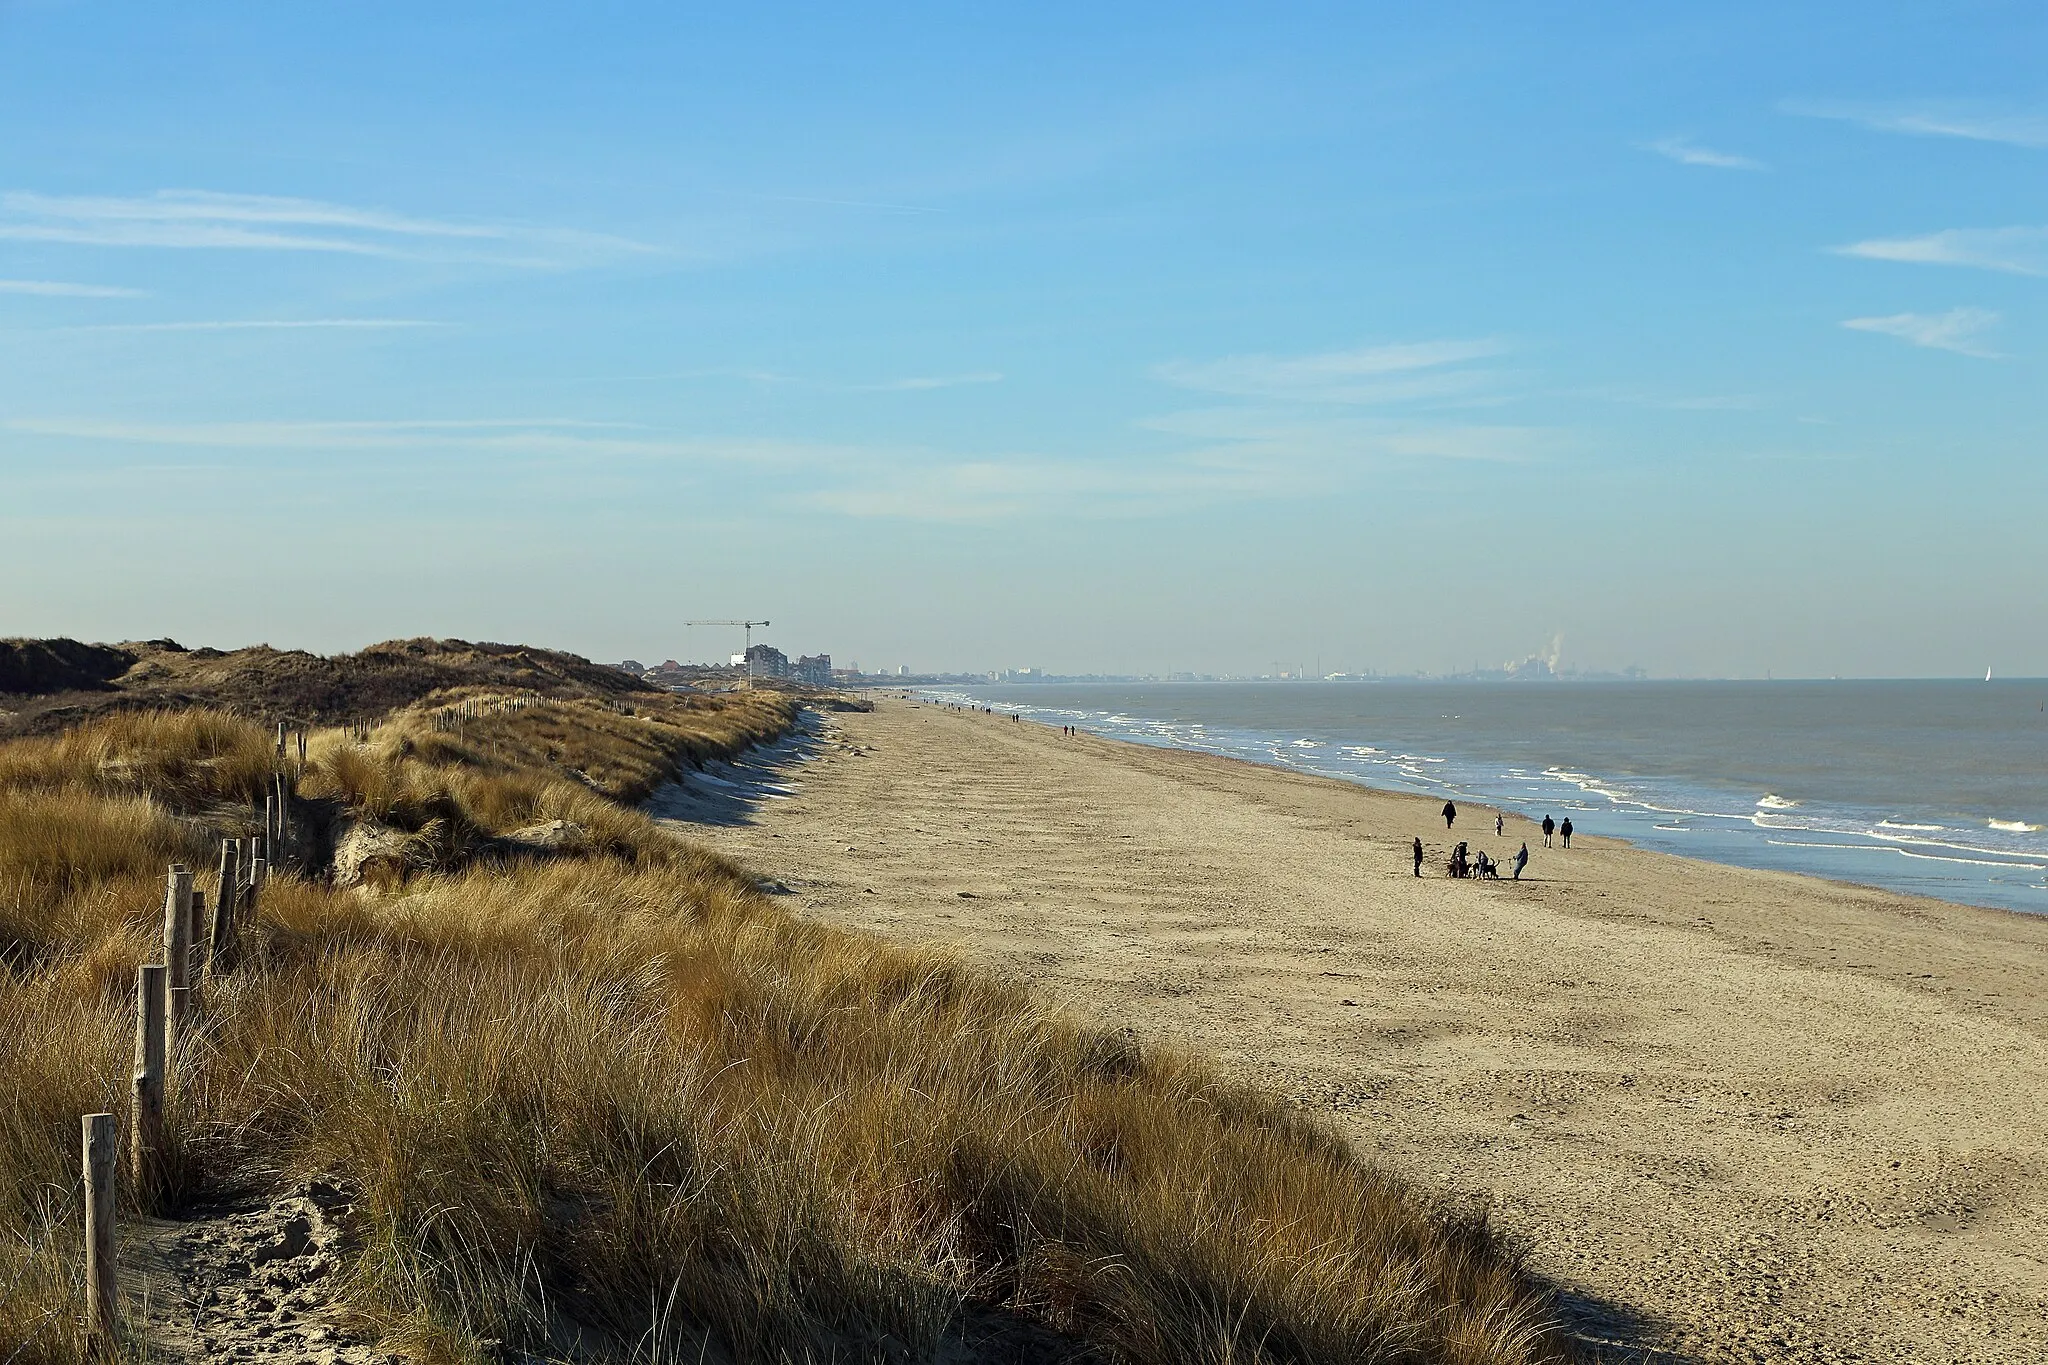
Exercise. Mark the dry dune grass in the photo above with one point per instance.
(625, 762)
(623, 1089)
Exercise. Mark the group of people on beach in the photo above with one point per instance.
(1465, 863)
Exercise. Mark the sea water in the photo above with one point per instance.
(1934, 788)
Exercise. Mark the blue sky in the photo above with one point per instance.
(1186, 337)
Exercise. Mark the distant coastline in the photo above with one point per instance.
(1925, 788)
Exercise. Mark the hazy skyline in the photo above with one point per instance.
(1189, 338)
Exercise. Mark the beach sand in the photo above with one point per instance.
(1736, 1115)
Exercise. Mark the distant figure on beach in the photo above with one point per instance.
(1461, 866)
(1548, 826)
(1487, 870)
(1521, 860)
(1566, 830)
(1500, 823)
(1418, 857)
(1450, 814)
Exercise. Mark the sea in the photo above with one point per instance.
(1931, 788)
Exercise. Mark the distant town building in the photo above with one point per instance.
(815, 669)
(766, 661)
(632, 666)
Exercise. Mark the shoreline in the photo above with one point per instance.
(1991, 865)
(1734, 1113)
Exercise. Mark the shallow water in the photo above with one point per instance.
(1934, 788)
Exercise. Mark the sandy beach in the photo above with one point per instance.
(1736, 1115)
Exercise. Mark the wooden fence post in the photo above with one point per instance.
(302, 748)
(195, 952)
(102, 1283)
(220, 944)
(280, 740)
(178, 942)
(146, 1117)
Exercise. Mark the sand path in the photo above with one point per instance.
(1739, 1115)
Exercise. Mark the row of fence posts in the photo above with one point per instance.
(476, 708)
(168, 997)
(277, 805)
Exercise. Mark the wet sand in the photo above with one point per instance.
(1736, 1115)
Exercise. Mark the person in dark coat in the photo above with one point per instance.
(1549, 825)
(1450, 814)
(1500, 823)
(1521, 860)
(1418, 857)
(1566, 830)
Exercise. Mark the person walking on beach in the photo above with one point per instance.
(1521, 860)
(1566, 830)
(1450, 814)
(1418, 857)
(1500, 823)
(1548, 825)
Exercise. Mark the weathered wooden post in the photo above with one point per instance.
(220, 943)
(178, 943)
(280, 741)
(146, 1117)
(183, 1016)
(284, 810)
(102, 1283)
(302, 749)
(195, 954)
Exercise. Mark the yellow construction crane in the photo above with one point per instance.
(746, 664)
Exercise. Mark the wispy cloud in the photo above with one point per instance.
(240, 325)
(1692, 154)
(58, 289)
(200, 219)
(1371, 374)
(1276, 441)
(865, 481)
(984, 490)
(1228, 454)
(943, 381)
(1958, 330)
(1934, 118)
(515, 435)
(2016, 250)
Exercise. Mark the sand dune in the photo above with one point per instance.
(1738, 1115)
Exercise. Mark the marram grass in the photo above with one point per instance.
(618, 1086)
